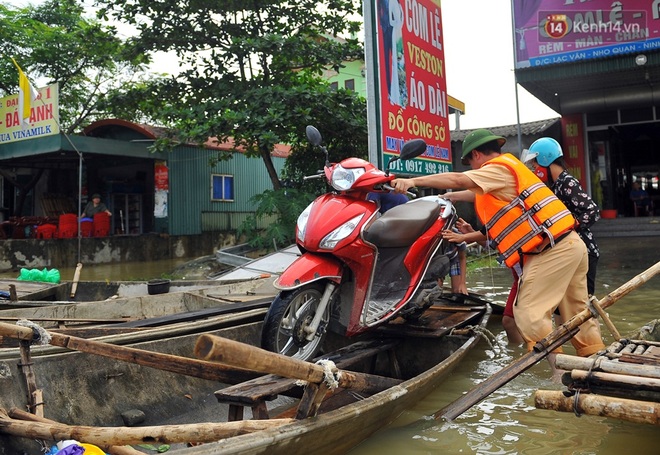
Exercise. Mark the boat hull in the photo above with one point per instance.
(81, 389)
(338, 431)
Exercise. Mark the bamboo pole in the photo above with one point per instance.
(157, 360)
(606, 319)
(617, 380)
(70, 320)
(542, 348)
(163, 434)
(76, 278)
(234, 353)
(600, 405)
(19, 414)
(571, 362)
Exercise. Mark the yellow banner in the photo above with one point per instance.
(43, 121)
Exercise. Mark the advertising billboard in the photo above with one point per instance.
(551, 32)
(43, 120)
(410, 83)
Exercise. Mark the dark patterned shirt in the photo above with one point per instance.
(568, 189)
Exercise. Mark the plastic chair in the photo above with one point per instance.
(101, 224)
(86, 228)
(643, 210)
(68, 226)
(46, 231)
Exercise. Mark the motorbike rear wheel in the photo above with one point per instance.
(288, 317)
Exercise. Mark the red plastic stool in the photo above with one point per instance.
(68, 226)
(46, 231)
(101, 224)
(86, 228)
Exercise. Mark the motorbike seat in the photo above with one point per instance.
(400, 226)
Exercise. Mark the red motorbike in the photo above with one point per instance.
(357, 268)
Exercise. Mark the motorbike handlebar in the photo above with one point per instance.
(447, 210)
(391, 188)
(310, 177)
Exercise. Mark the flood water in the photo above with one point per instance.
(507, 422)
(126, 271)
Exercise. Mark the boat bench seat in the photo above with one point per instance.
(256, 392)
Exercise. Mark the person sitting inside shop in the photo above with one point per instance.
(641, 199)
(95, 206)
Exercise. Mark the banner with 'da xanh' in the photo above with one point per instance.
(43, 119)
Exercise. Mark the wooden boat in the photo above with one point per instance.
(143, 317)
(390, 369)
(33, 293)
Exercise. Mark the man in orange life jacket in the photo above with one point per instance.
(531, 227)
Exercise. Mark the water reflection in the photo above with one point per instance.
(121, 271)
(507, 422)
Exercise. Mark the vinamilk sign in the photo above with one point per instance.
(43, 120)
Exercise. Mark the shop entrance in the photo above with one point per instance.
(621, 155)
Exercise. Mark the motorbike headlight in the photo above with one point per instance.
(302, 222)
(343, 179)
(330, 241)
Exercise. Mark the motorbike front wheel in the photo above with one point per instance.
(288, 318)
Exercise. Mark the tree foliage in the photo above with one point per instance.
(250, 70)
(57, 41)
(342, 123)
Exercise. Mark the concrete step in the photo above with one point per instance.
(627, 227)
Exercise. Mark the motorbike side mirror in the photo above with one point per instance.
(412, 149)
(313, 135)
(314, 138)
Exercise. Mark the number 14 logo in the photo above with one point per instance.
(556, 26)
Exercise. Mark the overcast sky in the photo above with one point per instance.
(478, 61)
(479, 64)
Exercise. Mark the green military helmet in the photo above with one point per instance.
(477, 138)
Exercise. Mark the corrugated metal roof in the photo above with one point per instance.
(109, 128)
(526, 129)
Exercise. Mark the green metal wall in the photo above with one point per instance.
(190, 209)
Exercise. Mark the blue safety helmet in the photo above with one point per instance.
(545, 150)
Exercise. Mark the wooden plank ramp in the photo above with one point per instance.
(622, 383)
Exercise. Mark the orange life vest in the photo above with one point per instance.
(523, 224)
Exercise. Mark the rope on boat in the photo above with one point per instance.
(483, 332)
(583, 386)
(42, 337)
(591, 306)
(576, 403)
(330, 373)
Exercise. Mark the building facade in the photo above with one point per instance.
(597, 63)
(181, 192)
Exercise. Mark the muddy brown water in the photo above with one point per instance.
(506, 422)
